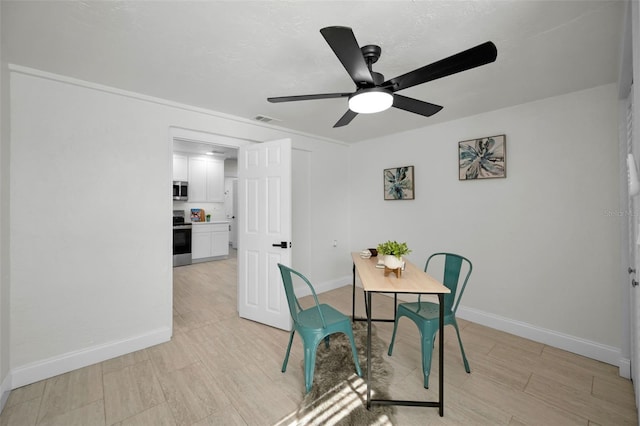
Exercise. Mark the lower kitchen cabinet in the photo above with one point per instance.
(209, 241)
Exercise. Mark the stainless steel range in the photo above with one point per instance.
(181, 239)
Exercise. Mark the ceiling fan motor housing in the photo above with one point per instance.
(371, 53)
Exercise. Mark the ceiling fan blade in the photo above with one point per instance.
(471, 58)
(308, 97)
(345, 46)
(414, 105)
(346, 118)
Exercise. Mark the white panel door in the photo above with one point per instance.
(264, 222)
(634, 256)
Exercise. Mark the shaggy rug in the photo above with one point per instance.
(338, 395)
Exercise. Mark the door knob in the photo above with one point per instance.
(631, 270)
(634, 283)
(281, 244)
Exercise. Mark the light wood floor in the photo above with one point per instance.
(220, 369)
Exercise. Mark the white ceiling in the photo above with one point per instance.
(230, 56)
(192, 147)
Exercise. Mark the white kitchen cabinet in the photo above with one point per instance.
(180, 167)
(200, 243)
(220, 240)
(206, 179)
(209, 240)
(215, 180)
(197, 179)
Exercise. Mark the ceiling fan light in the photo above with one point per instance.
(368, 101)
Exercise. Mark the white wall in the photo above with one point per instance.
(328, 212)
(94, 282)
(301, 205)
(231, 167)
(544, 241)
(5, 377)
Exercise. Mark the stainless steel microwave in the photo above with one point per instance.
(180, 190)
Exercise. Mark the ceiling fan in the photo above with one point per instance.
(373, 93)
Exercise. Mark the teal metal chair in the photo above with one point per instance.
(314, 324)
(426, 314)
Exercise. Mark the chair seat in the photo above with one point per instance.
(310, 318)
(426, 310)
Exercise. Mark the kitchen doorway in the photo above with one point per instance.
(200, 144)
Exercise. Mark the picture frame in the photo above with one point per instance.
(482, 158)
(399, 183)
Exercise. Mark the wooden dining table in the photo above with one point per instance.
(411, 280)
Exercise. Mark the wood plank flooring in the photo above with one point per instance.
(222, 370)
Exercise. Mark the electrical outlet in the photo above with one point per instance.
(335, 243)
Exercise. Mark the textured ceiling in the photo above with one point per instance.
(230, 56)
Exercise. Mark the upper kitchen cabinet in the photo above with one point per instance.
(206, 179)
(180, 167)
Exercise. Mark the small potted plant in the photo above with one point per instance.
(392, 252)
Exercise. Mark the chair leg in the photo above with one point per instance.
(427, 350)
(464, 356)
(354, 351)
(286, 357)
(326, 342)
(309, 363)
(393, 336)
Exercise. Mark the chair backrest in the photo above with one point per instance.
(294, 305)
(453, 265)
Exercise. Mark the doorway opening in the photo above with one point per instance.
(220, 209)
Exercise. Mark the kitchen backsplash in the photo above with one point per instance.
(216, 210)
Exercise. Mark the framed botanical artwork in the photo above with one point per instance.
(482, 158)
(398, 183)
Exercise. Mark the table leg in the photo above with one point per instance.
(366, 304)
(353, 296)
(441, 352)
(368, 350)
(395, 306)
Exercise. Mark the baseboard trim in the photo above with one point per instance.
(624, 365)
(577, 345)
(609, 354)
(5, 390)
(44, 369)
